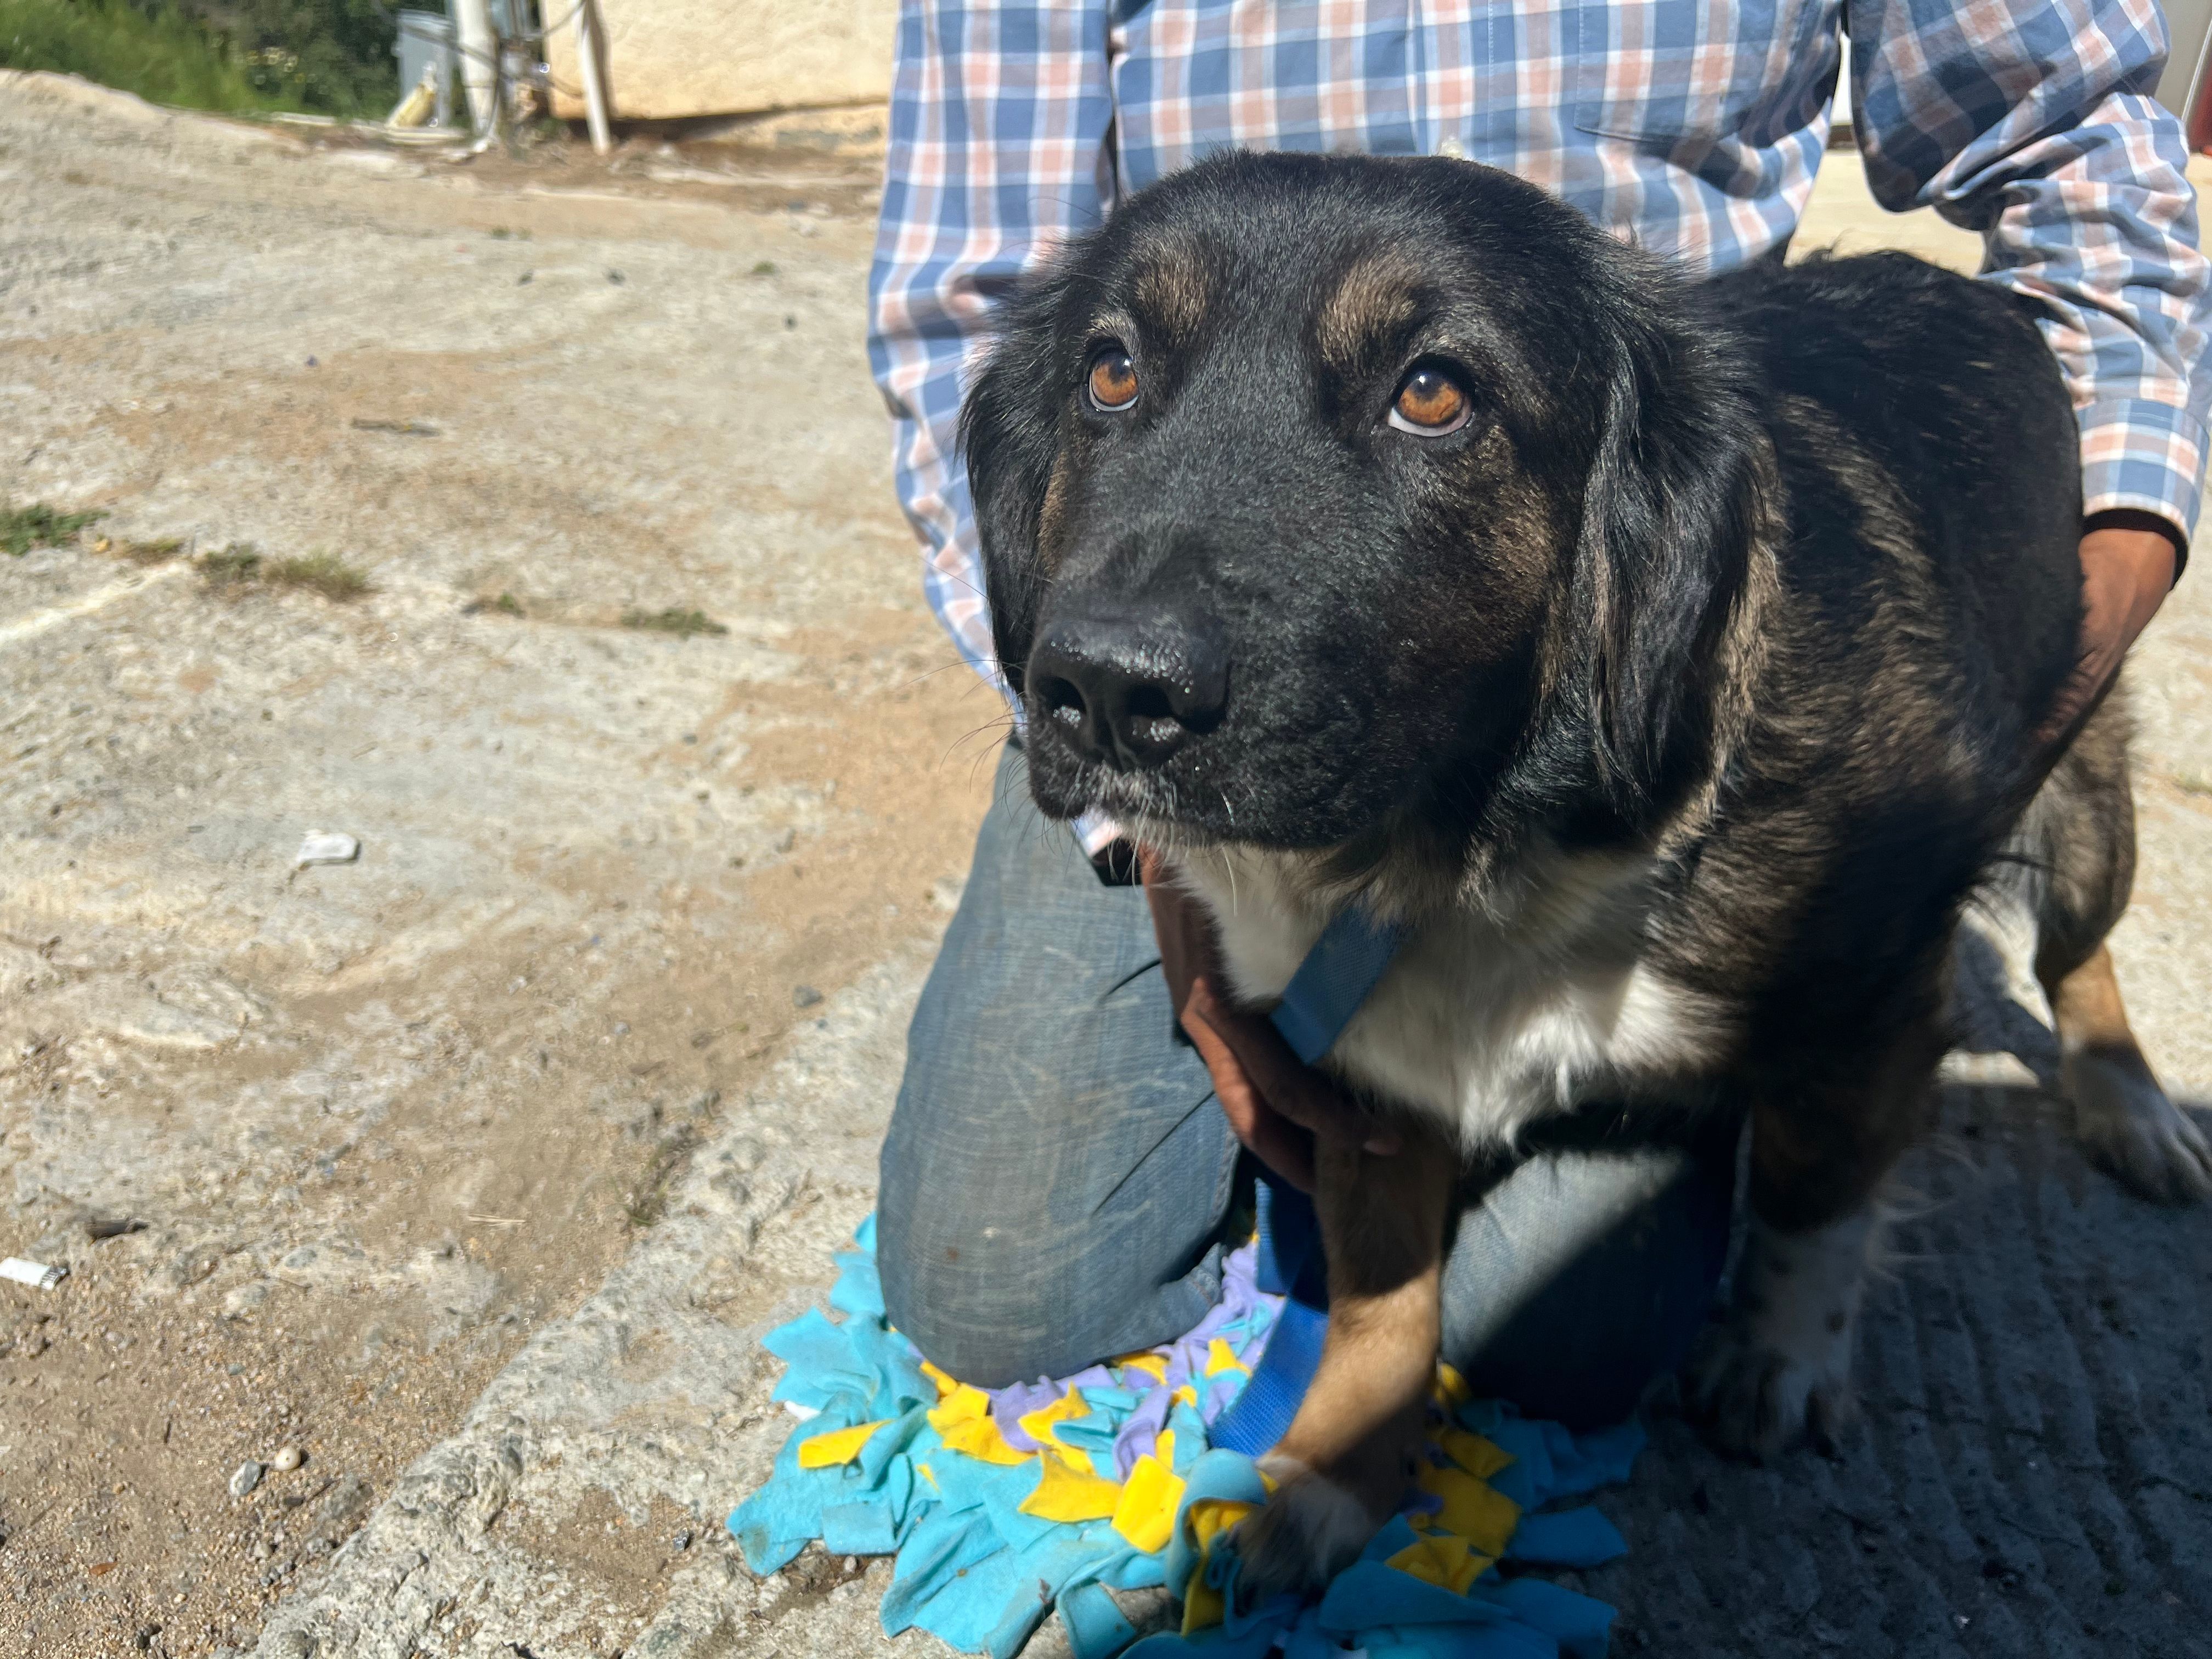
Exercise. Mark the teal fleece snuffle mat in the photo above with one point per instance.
(1002, 1505)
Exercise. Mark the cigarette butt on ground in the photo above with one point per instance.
(36, 1274)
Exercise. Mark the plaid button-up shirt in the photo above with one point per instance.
(1692, 125)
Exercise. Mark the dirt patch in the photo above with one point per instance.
(382, 1121)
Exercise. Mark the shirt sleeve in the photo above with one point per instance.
(1000, 123)
(2032, 122)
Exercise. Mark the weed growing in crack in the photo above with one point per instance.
(675, 620)
(241, 566)
(320, 572)
(23, 528)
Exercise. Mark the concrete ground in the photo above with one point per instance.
(473, 1170)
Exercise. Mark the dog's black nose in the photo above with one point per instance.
(1129, 691)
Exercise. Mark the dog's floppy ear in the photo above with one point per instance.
(1010, 437)
(1675, 495)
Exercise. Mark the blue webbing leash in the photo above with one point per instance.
(1350, 957)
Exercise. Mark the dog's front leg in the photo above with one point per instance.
(1342, 1467)
(1779, 1369)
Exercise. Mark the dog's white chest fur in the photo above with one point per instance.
(1487, 1020)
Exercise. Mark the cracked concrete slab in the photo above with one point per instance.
(474, 1171)
(652, 1397)
(2035, 1476)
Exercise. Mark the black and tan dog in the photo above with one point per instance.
(1665, 655)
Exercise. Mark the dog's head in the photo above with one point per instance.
(1318, 494)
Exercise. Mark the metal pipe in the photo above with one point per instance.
(588, 64)
(479, 62)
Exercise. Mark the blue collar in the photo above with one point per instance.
(1352, 954)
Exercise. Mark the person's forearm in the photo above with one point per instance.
(2042, 137)
(2128, 563)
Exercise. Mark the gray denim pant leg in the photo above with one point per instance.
(1056, 1169)
(1057, 1172)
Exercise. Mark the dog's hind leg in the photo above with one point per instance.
(2080, 836)
(1343, 1465)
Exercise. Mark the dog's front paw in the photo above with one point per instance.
(1756, 1399)
(1311, 1529)
(2130, 1129)
(1778, 1371)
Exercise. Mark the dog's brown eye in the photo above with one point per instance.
(1113, 380)
(1430, 404)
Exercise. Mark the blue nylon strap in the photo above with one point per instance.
(1352, 954)
(1346, 961)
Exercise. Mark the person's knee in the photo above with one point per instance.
(967, 1297)
(1575, 1322)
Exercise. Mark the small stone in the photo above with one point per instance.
(286, 1459)
(805, 996)
(681, 1542)
(244, 1477)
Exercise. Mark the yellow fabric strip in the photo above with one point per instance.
(1145, 1515)
(1206, 1520)
(1451, 1390)
(1478, 1457)
(964, 1404)
(1483, 1515)
(826, 1451)
(1203, 1605)
(1040, 1424)
(979, 1437)
(1064, 1495)
(1220, 1356)
(944, 1384)
(1443, 1560)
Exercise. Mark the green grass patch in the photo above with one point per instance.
(319, 573)
(240, 566)
(161, 54)
(675, 620)
(236, 56)
(23, 528)
(237, 565)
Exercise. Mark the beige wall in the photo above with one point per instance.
(667, 59)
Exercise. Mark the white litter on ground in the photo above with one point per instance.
(327, 847)
(36, 1274)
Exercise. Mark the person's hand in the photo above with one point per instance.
(2128, 561)
(1275, 1103)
